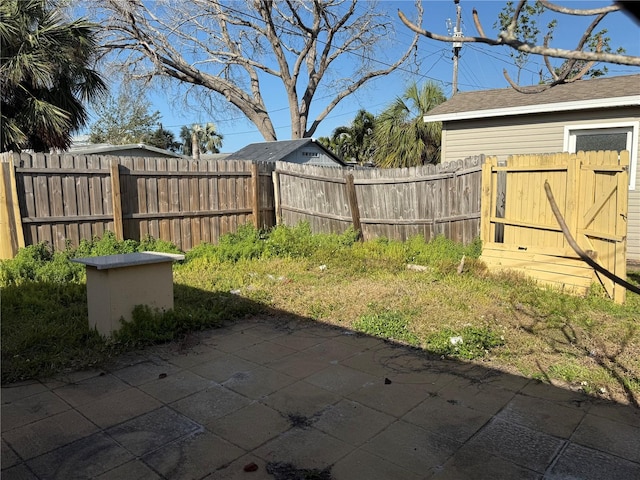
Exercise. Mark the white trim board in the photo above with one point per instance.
(633, 153)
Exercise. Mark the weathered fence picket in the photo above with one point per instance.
(395, 203)
(62, 199)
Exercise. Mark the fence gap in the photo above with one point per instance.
(255, 188)
(353, 205)
(276, 196)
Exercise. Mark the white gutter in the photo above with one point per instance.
(631, 100)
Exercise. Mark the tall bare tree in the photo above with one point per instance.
(580, 60)
(236, 49)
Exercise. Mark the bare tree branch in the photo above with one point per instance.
(505, 38)
(476, 22)
(236, 49)
(567, 70)
(514, 19)
(547, 63)
(577, 11)
(576, 248)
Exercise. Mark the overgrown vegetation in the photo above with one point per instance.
(39, 263)
(505, 322)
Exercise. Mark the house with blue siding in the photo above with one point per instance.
(304, 151)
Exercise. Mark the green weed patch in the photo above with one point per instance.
(468, 343)
(392, 325)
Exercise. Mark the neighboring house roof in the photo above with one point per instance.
(108, 149)
(278, 150)
(603, 92)
(214, 156)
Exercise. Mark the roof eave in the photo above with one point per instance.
(631, 100)
(118, 148)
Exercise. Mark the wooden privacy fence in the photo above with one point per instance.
(64, 199)
(520, 232)
(395, 203)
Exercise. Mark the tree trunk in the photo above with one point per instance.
(195, 146)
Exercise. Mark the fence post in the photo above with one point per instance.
(486, 200)
(275, 176)
(255, 186)
(11, 234)
(116, 200)
(353, 205)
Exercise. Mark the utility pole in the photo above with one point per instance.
(457, 32)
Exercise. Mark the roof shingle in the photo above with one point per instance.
(581, 90)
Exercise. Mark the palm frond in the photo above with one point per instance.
(46, 74)
(401, 136)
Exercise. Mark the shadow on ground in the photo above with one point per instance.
(271, 395)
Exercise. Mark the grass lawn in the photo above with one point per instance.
(504, 322)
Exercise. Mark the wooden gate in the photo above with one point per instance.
(520, 232)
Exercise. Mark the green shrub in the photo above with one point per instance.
(107, 245)
(204, 250)
(440, 251)
(150, 244)
(282, 241)
(194, 310)
(294, 242)
(25, 265)
(246, 243)
(147, 326)
(39, 263)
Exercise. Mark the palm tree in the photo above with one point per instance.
(162, 138)
(402, 138)
(45, 75)
(355, 142)
(199, 139)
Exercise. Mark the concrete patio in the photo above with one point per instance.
(283, 395)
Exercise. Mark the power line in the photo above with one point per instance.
(496, 57)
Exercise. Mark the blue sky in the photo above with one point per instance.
(480, 67)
